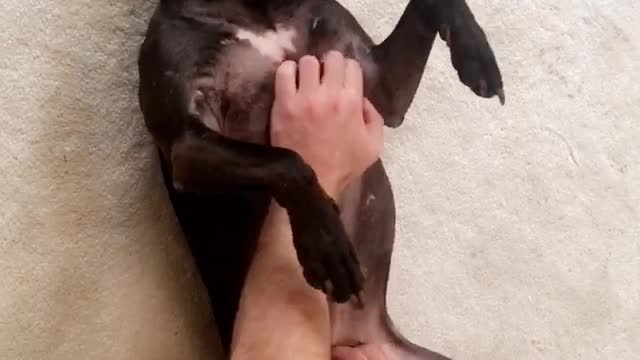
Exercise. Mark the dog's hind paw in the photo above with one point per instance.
(472, 56)
(332, 267)
(327, 256)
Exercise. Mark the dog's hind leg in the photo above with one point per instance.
(368, 211)
(402, 57)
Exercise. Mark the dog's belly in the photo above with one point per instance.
(234, 92)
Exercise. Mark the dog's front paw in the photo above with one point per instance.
(472, 56)
(327, 256)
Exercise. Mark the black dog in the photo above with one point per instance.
(206, 88)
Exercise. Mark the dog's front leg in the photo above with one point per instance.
(401, 58)
(203, 163)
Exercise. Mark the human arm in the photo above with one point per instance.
(339, 134)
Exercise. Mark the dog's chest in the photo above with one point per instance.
(250, 58)
(239, 87)
(272, 44)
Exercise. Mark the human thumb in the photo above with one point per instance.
(369, 112)
(373, 122)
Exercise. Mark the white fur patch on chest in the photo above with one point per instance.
(272, 44)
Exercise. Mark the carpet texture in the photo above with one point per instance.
(518, 226)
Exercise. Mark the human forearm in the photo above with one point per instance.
(280, 315)
(326, 120)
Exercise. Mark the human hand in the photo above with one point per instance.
(326, 120)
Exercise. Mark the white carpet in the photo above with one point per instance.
(519, 227)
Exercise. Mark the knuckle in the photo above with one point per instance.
(290, 108)
(320, 95)
(318, 109)
(332, 100)
(351, 98)
(312, 107)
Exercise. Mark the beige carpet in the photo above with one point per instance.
(519, 227)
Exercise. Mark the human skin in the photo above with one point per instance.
(326, 120)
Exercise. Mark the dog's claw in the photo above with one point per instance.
(445, 35)
(483, 88)
(473, 58)
(357, 300)
(501, 96)
(328, 288)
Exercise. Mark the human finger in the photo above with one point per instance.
(285, 83)
(353, 78)
(334, 70)
(309, 74)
